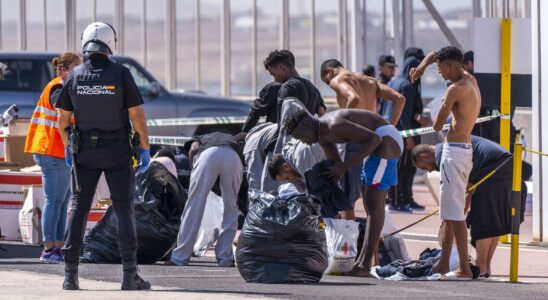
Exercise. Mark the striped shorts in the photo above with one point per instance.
(380, 173)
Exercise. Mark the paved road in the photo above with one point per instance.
(203, 277)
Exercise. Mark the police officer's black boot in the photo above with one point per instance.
(132, 280)
(71, 277)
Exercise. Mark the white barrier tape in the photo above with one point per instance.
(168, 140)
(180, 141)
(427, 130)
(196, 121)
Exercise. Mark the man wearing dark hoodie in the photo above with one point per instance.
(401, 196)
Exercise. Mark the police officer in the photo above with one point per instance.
(103, 97)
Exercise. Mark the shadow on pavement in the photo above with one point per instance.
(221, 291)
(19, 251)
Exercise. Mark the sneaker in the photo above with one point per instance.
(415, 206)
(52, 257)
(59, 253)
(400, 208)
(227, 264)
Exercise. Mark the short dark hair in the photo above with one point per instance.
(449, 53)
(293, 120)
(418, 150)
(417, 53)
(330, 63)
(369, 70)
(276, 57)
(468, 56)
(275, 164)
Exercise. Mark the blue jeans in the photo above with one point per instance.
(56, 181)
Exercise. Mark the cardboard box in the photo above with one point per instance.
(2, 152)
(18, 127)
(12, 185)
(14, 149)
(12, 198)
(14, 137)
(9, 223)
(30, 216)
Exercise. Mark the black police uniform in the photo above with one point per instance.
(99, 92)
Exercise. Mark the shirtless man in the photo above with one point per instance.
(463, 99)
(355, 90)
(377, 139)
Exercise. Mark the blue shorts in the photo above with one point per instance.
(380, 173)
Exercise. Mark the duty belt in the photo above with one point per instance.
(93, 135)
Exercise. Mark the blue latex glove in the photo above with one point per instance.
(68, 158)
(144, 160)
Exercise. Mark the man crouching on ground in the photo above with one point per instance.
(378, 140)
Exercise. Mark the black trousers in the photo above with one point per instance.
(402, 194)
(114, 159)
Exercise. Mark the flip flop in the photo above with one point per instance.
(451, 276)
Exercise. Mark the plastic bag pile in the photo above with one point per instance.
(281, 240)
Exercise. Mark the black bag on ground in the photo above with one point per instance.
(160, 201)
(281, 241)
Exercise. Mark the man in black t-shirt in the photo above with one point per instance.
(295, 93)
(265, 105)
(281, 65)
(211, 156)
(490, 203)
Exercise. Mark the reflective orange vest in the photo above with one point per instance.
(43, 136)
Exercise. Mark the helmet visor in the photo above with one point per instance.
(96, 46)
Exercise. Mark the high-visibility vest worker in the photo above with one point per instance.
(43, 135)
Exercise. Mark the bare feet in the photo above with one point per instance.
(360, 271)
(458, 274)
(438, 270)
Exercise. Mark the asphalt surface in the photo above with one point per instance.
(204, 277)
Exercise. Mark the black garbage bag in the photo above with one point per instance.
(158, 207)
(281, 240)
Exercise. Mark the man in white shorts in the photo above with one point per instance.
(463, 99)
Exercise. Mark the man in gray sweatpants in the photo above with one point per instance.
(257, 142)
(211, 155)
(289, 105)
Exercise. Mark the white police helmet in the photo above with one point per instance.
(99, 37)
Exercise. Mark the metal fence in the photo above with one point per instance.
(218, 45)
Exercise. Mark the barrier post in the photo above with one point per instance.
(516, 209)
(505, 88)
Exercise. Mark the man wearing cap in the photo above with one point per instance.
(211, 156)
(387, 68)
(106, 104)
(401, 197)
